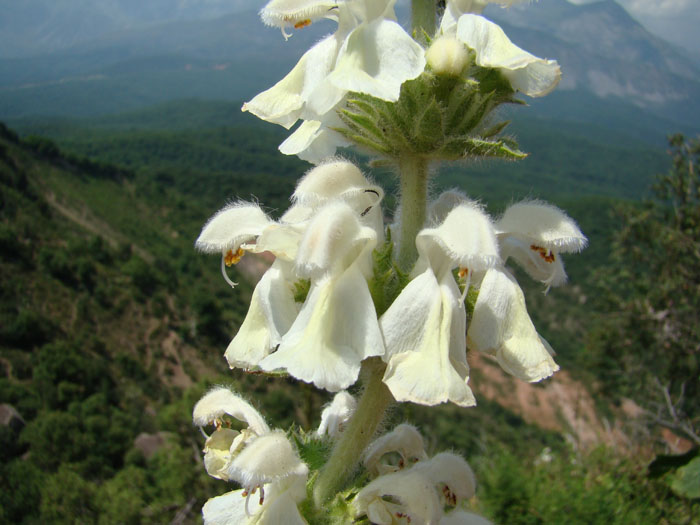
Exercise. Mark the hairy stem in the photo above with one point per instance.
(414, 191)
(360, 430)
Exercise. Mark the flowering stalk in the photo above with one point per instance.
(359, 432)
(413, 172)
(341, 301)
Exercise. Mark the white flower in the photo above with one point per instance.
(244, 227)
(336, 414)
(404, 440)
(277, 504)
(399, 497)
(369, 53)
(456, 8)
(462, 517)
(451, 474)
(267, 459)
(229, 229)
(411, 495)
(337, 326)
(424, 329)
(338, 179)
(501, 327)
(224, 444)
(527, 73)
(534, 233)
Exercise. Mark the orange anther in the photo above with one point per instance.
(547, 255)
(301, 24)
(232, 257)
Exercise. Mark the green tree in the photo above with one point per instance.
(647, 344)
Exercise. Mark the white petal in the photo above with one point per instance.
(282, 240)
(527, 73)
(536, 261)
(282, 509)
(420, 328)
(465, 238)
(339, 179)
(284, 13)
(462, 517)
(284, 102)
(444, 204)
(376, 58)
(336, 414)
(501, 326)
(333, 240)
(404, 439)
(327, 181)
(219, 401)
(266, 459)
(416, 497)
(336, 329)
(542, 224)
(368, 10)
(313, 142)
(232, 226)
(217, 452)
(227, 509)
(271, 313)
(451, 471)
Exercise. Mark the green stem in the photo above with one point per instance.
(423, 17)
(413, 173)
(357, 435)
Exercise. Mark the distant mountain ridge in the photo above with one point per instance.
(33, 27)
(604, 51)
(197, 51)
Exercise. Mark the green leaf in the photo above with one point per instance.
(428, 128)
(363, 123)
(664, 463)
(312, 450)
(686, 480)
(494, 130)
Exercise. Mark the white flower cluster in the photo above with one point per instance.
(259, 459)
(405, 485)
(371, 53)
(414, 489)
(326, 239)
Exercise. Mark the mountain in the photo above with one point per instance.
(605, 52)
(614, 71)
(33, 27)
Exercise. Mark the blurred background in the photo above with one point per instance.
(122, 134)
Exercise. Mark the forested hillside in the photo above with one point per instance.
(112, 327)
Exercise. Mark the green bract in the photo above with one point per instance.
(437, 117)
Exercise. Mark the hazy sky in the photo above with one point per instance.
(677, 21)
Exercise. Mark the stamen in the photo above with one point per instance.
(302, 23)
(247, 499)
(450, 497)
(464, 273)
(231, 258)
(547, 255)
(223, 272)
(262, 495)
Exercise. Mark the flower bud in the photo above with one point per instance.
(447, 56)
